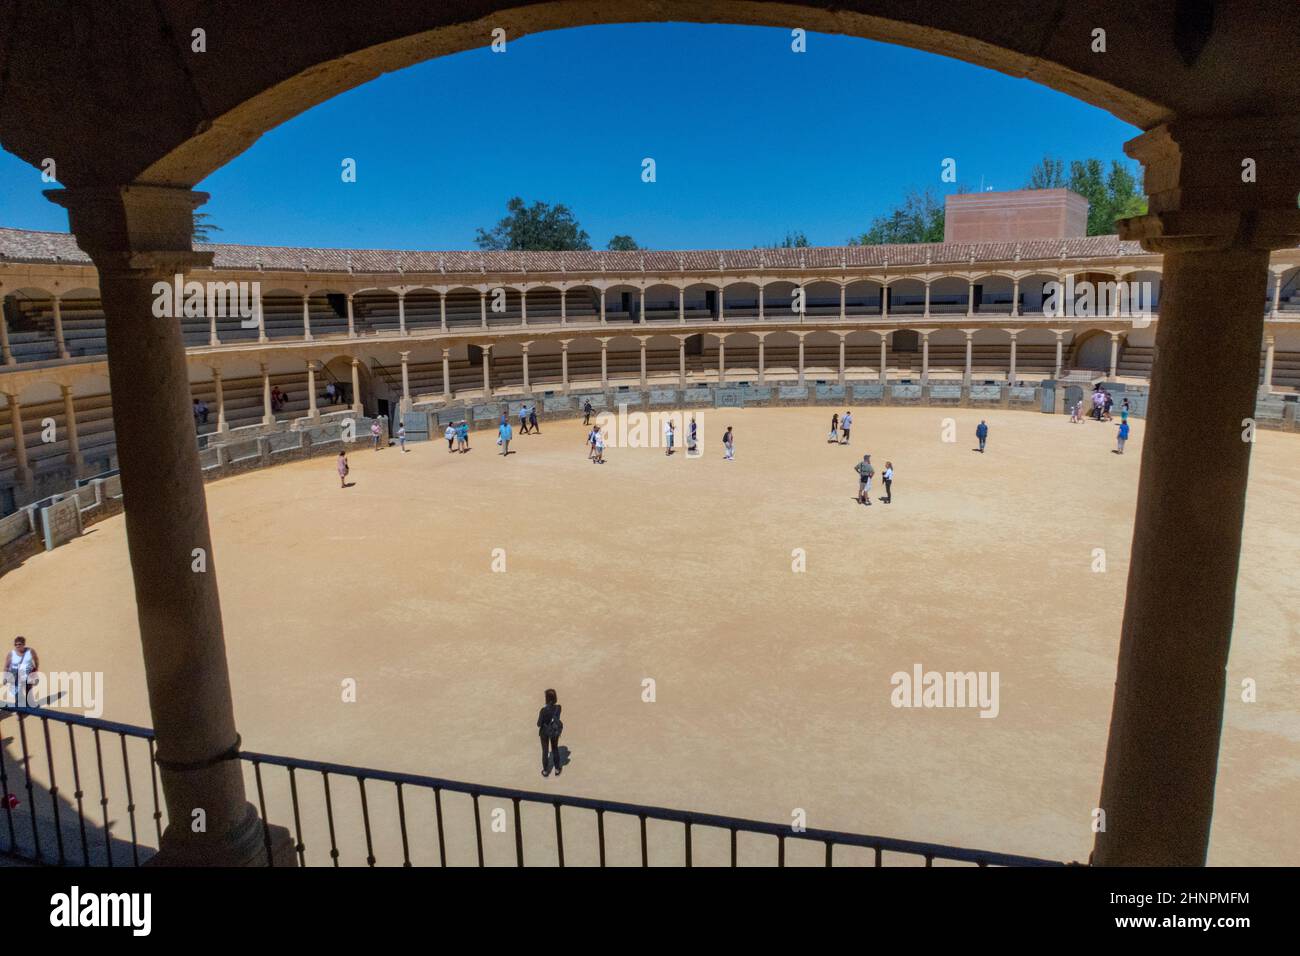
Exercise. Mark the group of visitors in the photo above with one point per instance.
(278, 398)
(457, 435)
(840, 428)
(334, 394)
(866, 472)
(670, 437)
(528, 420)
(596, 445)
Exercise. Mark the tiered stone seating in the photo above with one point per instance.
(1286, 371)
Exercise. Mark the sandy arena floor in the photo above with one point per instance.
(772, 687)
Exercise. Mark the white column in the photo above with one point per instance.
(1015, 297)
(564, 364)
(800, 359)
(70, 422)
(843, 302)
(59, 341)
(1114, 352)
(966, 376)
(1060, 347)
(442, 310)
(927, 300)
(884, 301)
(261, 321)
(564, 307)
(406, 377)
(352, 320)
(523, 351)
(842, 337)
(681, 306)
(884, 358)
(722, 312)
(602, 306)
(523, 306)
(268, 416)
(356, 387)
(970, 296)
(221, 400)
(762, 306)
(604, 363)
(482, 309)
(641, 317)
(643, 374)
(925, 358)
(306, 317)
(681, 359)
(487, 371)
(212, 324)
(312, 411)
(1267, 383)
(1277, 291)
(22, 472)
(761, 359)
(6, 353)
(446, 374)
(1011, 373)
(401, 313)
(722, 359)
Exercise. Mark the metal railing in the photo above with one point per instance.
(391, 815)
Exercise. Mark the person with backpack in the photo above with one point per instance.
(982, 433)
(865, 472)
(834, 436)
(729, 443)
(549, 728)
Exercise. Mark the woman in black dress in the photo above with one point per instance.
(549, 728)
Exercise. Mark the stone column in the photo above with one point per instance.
(1266, 384)
(59, 341)
(641, 317)
(843, 302)
(358, 408)
(401, 314)
(136, 236)
(352, 322)
(487, 372)
(761, 359)
(884, 301)
(523, 351)
(564, 307)
(312, 411)
(884, 357)
(1215, 233)
(22, 471)
(564, 364)
(842, 347)
(604, 363)
(212, 324)
(970, 297)
(217, 386)
(681, 359)
(722, 359)
(602, 306)
(306, 317)
(523, 307)
(6, 352)
(1277, 292)
(70, 422)
(1011, 372)
(681, 306)
(442, 310)
(1114, 353)
(1060, 349)
(643, 373)
(800, 359)
(268, 416)
(762, 314)
(406, 377)
(446, 374)
(722, 311)
(969, 371)
(925, 358)
(1015, 297)
(482, 310)
(261, 321)
(927, 300)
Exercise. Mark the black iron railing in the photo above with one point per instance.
(387, 813)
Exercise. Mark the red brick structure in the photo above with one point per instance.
(1014, 216)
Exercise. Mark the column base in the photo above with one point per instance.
(246, 846)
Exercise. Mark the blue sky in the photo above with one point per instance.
(750, 140)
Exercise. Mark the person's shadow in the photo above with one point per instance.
(561, 757)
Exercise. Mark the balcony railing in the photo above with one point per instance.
(384, 814)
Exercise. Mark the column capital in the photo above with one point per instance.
(1217, 183)
(137, 228)
(407, 353)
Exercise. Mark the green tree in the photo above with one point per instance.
(203, 229)
(540, 227)
(1048, 174)
(1111, 196)
(918, 219)
(622, 244)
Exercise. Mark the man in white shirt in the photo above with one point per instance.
(845, 424)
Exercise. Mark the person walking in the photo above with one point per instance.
(729, 443)
(450, 435)
(599, 447)
(846, 423)
(21, 668)
(692, 438)
(549, 728)
(1107, 404)
(342, 465)
(329, 393)
(1098, 400)
(523, 419)
(668, 437)
(887, 476)
(462, 435)
(401, 436)
(505, 433)
(532, 420)
(374, 433)
(1122, 438)
(834, 436)
(982, 433)
(865, 472)
(586, 411)
(591, 441)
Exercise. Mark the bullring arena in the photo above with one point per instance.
(410, 621)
